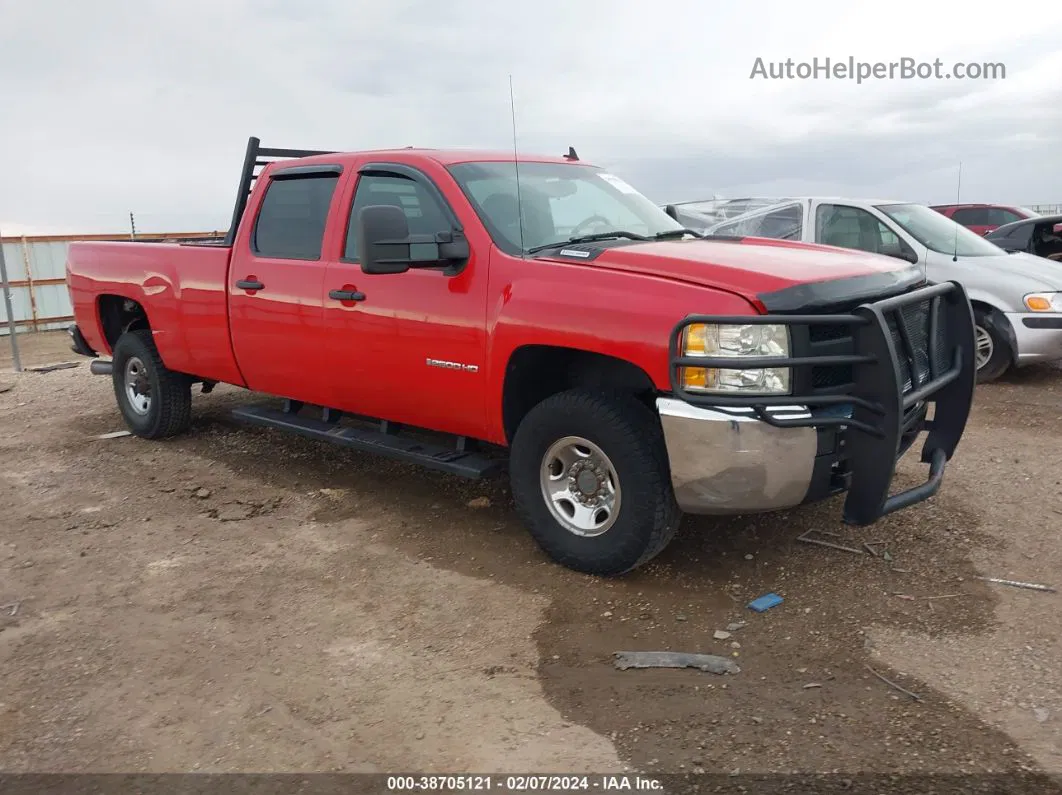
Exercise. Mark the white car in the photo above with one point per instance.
(1017, 297)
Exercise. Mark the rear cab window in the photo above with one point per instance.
(292, 218)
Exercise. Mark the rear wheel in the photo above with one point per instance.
(591, 481)
(991, 349)
(155, 401)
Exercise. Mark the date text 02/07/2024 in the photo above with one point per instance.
(520, 783)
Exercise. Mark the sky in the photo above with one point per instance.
(115, 106)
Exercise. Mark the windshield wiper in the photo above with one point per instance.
(670, 233)
(589, 239)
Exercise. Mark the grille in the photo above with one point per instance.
(828, 333)
(824, 340)
(825, 376)
(916, 321)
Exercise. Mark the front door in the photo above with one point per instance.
(408, 347)
(848, 226)
(275, 287)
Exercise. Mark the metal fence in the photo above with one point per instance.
(36, 277)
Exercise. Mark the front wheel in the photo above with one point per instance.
(991, 349)
(155, 401)
(591, 481)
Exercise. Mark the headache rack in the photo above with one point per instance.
(257, 157)
(872, 373)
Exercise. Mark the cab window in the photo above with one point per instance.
(853, 227)
(291, 221)
(422, 210)
(972, 216)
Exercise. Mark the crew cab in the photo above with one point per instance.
(1016, 297)
(544, 317)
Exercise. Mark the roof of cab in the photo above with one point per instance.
(445, 157)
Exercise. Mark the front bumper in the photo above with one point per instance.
(1037, 336)
(725, 463)
(743, 454)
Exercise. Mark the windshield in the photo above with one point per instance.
(559, 201)
(938, 232)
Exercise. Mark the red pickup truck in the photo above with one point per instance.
(541, 316)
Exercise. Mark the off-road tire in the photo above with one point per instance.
(1000, 360)
(170, 409)
(629, 433)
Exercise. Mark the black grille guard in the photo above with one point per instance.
(881, 408)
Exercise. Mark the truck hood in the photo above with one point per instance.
(748, 267)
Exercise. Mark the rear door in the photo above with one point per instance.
(276, 283)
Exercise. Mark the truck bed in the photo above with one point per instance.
(182, 286)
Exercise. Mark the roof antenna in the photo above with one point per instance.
(516, 167)
(955, 248)
(571, 154)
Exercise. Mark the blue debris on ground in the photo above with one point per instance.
(765, 602)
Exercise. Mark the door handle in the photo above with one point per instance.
(249, 284)
(346, 295)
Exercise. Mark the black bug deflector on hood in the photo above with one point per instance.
(896, 356)
(814, 296)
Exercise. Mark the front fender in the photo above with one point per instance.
(625, 316)
(996, 318)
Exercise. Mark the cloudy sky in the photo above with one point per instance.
(112, 106)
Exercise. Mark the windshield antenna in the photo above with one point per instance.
(955, 248)
(516, 166)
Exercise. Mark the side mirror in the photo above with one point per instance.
(672, 211)
(385, 245)
(904, 253)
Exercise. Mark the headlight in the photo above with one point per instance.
(702, 339)
(1044, 302)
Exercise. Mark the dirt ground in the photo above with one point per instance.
(239, 600)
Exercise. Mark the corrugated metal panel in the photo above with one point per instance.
(16, 267)
(37, 305)
(53, 300)
(47, 260)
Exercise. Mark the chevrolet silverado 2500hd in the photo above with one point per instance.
(628, 370)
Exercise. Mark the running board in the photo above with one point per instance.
(455, 461)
